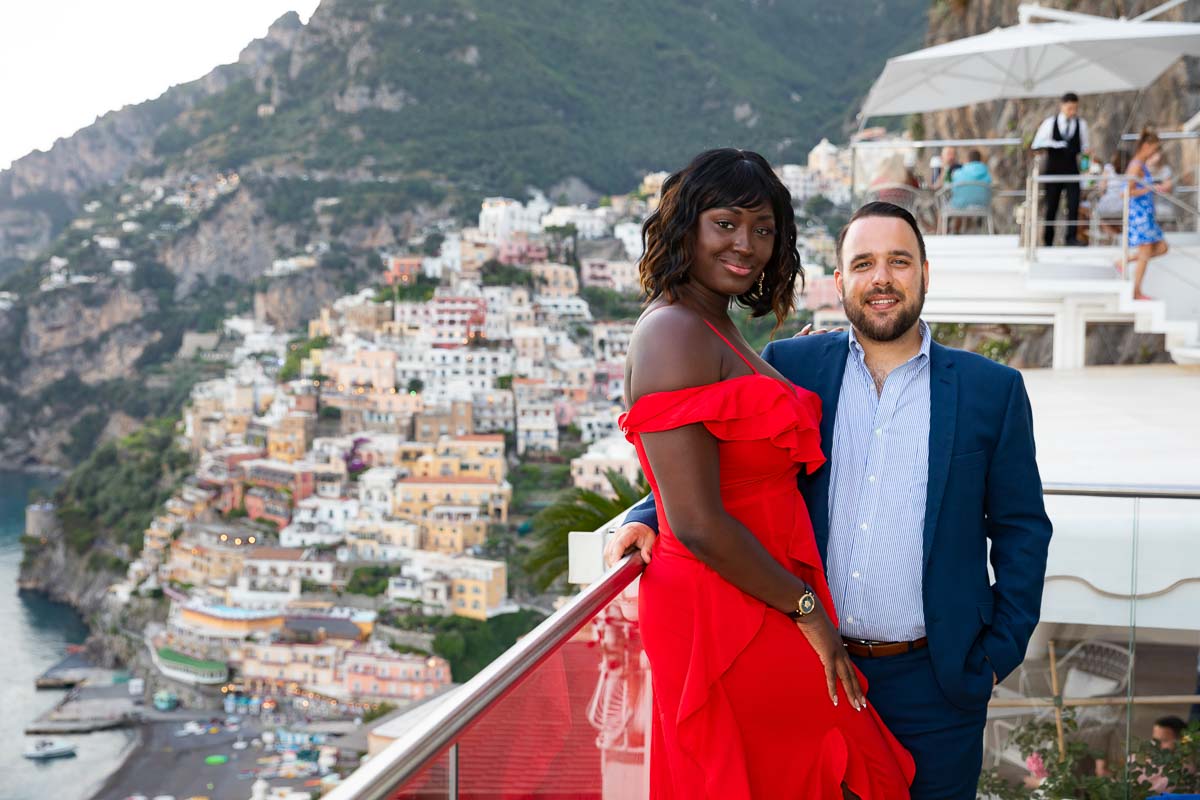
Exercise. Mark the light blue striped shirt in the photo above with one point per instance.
(880, 469)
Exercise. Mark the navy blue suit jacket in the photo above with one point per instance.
(983, 485)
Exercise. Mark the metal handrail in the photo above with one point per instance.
(920, 144)
(1163, 135)
(1139, 491)
(436, 733)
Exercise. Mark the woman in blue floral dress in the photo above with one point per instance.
(1145, 236)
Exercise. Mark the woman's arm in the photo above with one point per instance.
(673, 350)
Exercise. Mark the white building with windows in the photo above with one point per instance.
(537, 428)
(377, 488)
(501, 217)
(319, 521)
(610, 340)
(630, 234)
(614, 453)
(590, 223)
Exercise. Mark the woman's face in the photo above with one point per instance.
(733, 246)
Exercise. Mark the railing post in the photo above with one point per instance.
(1035, 219)
(1125, 230)
(1196, 183)
(452, 772)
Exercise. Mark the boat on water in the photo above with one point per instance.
(44, 749)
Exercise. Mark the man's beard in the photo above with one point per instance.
(885, 330)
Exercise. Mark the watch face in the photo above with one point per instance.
(808, 603)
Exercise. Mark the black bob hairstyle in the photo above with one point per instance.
(724, 178)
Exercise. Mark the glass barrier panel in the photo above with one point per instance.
(431, 783)
(1081, 650)
(577, 726)
(1166, 646)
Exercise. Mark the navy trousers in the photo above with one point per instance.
(945, 741)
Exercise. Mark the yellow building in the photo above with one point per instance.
(156, 539)
(310, 665)
(555, 280)
(478, 586)
(290, 438)
(452, 529)
(190, 503)
(468, 456)
(210, 560)
(415, 497)
(370, 539)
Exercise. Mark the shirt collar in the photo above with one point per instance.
(857, 351)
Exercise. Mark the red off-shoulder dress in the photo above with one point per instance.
(741, 708)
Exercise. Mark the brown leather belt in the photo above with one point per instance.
(865, 648)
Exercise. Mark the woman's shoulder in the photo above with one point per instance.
(672, 348)
(665, 318)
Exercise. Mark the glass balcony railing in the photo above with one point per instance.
(565, 713)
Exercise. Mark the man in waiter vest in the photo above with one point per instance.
(1064, 137)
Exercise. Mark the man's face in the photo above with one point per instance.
(1164, 736)
(881, 278)
(948, 155)
(1070, 109)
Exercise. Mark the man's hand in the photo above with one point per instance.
(631, 534)
(807, 330)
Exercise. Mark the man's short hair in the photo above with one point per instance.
(1172, 723)
(1070, 97)
(974, 155)
(879, 208)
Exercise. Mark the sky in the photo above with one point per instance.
(63, 63)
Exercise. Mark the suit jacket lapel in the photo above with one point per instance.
(827, 383)
(943, 405)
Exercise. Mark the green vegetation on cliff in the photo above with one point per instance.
(113, 495)
(470, 644)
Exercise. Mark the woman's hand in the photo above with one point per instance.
(826, 641)
(631, 534)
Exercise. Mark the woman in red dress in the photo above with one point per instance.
(754, 695)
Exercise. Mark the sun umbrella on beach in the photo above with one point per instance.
(1031, 60)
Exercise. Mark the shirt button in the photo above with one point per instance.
(863, 526)
(856, 574)
(849, 619)
(879, 431)
(871, 478)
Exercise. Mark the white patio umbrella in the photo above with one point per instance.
(1043, 60)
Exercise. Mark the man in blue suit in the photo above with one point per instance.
(930, 456)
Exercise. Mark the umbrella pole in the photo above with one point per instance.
(1137, 100)
(1058, 718)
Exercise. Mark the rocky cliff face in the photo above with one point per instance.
(289, 303)
(1168, 103)
(238, 240)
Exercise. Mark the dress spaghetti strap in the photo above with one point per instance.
(731, 347)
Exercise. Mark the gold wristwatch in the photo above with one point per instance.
(805, 605)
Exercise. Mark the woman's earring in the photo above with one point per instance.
(760, 284)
